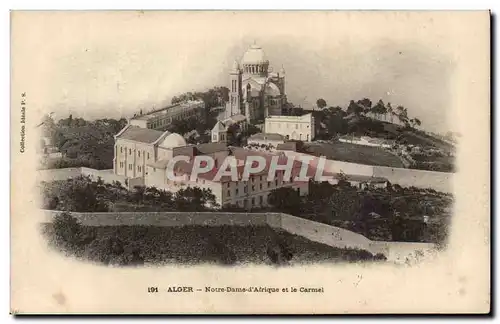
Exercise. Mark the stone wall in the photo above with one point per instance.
(440, 181)
(68, 173)
(322, 233)
(58, 174)
(314, 231)
(165, 218)
(106, 175)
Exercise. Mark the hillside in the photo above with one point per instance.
(354, 153)
(431, 153)
(225, 245)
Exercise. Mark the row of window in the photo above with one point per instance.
(261, 187)
(131, 166)
(257, 201)
(166, 121)
(297, 125)
(254, 68)
(138, 152)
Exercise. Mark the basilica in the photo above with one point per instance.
(254, 90)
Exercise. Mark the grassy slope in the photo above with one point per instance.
(355, 153)
(203, 244)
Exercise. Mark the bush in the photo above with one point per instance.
(279, 252)
(67, 229)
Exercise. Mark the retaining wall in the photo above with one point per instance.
(322, 233)
(68, 173)
(165, 218)
(314, 231)
(440, 181)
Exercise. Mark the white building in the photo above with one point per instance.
(221, 130)
(292, 127)
(161, 118)
(245, 194)
(136, 147)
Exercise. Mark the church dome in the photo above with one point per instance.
(173, 140)
(272, 90)
(254, 55)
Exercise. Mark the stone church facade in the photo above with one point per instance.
(254, 90)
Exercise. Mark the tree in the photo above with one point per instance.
(67, 230)
(194, 199)
(285, 199)
(390, 111)
(402, 115)
(81, 195)
(366, 104)
(354, 108)
(417, 121)
(379, 109)
(321, 103)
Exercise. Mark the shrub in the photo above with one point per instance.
(279, 252)
(67, 229)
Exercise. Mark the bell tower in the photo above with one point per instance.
(234, 90)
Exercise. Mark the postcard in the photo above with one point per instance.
(250, 162)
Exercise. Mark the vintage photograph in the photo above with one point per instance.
(232, 140)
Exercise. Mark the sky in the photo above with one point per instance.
(102, 64)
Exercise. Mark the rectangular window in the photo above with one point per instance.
(121, 149)
(148, 155)
(261, 186)
(253, 188)
(139, 153)
(236, 191)
(129, 151)
(269, 184)
(261, 199)
(130, 166)
(229, 193)
(276, 182)
(245, 190)
(253, 201)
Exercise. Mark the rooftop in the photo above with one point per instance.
(162, 111)
(243, 157)
(309, 115)
(139, 134)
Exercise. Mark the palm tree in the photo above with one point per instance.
(379, 108)
(402, 114)
(321, 103)
(417, 121)
(389, 111)
(366, 104)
